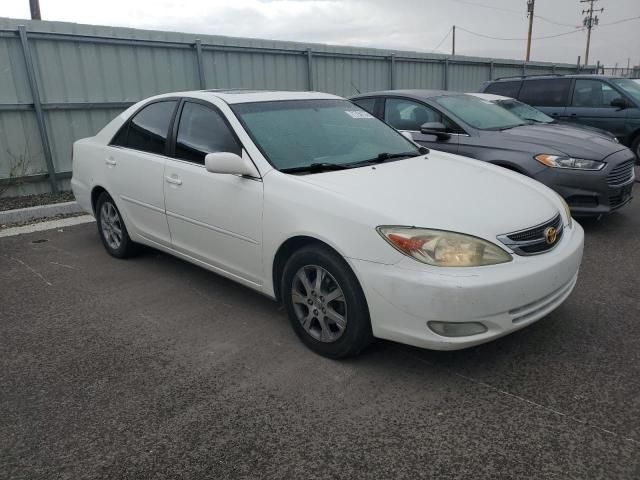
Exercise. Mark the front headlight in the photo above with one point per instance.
(557, 161)
(443, 249)
(567, 212)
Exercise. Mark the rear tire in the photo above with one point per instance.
(635, 148)
(112, 230)
(329, 314)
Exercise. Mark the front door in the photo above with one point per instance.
(408, 116)
(214, 218)
(591, 105)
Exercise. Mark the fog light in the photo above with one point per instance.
(449, 329)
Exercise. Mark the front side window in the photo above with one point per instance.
(524, 111)
(545, 92)
(147, 131)
(479, 113)
(630, 87)
(593, 93)
(407, 115)
(202, 130)
(506, 89)
(300, 133)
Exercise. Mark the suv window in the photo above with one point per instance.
(203, 130)
(367, 104)
(593, 93)
(506, 89)
(552, 92)
(408, 115)
(147, 130)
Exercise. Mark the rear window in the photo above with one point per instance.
(553, 92)
(506, 89)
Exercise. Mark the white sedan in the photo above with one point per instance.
(312, 201)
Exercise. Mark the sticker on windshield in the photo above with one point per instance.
(358, 114)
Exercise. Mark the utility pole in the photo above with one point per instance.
(453, 47)
(35, 9)
(590, 21)
(530, 7)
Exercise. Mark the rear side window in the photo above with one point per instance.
(202, 130)
(147, 131)
(506, 89)
(367, 104)
(545, 92)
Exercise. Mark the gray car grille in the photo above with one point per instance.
(532, 241)
(621, 174)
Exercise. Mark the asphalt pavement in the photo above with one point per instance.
(154, 368)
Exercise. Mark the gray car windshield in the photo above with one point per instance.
(524, 111)
(294, 134)
(479, 113)
(631, 87)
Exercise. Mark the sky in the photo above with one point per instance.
(422, 25)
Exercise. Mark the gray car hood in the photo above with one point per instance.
(555, 139)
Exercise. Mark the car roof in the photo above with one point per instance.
(489, 96)
(552, 76)
(417, 94)
(234, 96)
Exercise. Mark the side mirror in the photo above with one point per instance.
(435, 128)
(619, 103)
(230, 163)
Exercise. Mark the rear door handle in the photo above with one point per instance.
(173, 180)
(110, 161)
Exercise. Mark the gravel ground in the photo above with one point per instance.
(10, 203)
(40, 220)
(153, 368)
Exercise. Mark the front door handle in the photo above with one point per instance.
(110, 161)
(173, 180)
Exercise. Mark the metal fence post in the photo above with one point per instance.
(37, 105)
(524, 69)
(491, 70)
(446, 74)
(309, 70)
(553, 69)
(203, 83)
(392, 71)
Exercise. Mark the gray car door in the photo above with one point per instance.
(591, 105)
(409, 115)
(550, 95)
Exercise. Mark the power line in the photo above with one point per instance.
(514, 12)
(445, 37)
(521, 39)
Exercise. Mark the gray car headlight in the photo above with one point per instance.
(558, 161)
(442, 248)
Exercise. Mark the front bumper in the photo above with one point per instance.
(591, 193)
(403, 297)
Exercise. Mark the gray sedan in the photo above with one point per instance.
(591, 171)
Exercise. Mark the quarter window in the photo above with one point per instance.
(409, 115)
(202, 130)
(545, 92)
(593, 93)
(367, 104)
(147, 130)
(506, 89)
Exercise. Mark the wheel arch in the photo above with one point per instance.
(95, 193)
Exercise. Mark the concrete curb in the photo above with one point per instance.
(39, 211)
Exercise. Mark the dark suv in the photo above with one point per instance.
(609, 103)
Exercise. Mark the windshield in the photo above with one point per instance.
(631, 87)
(524, 111)
(301, 133)
(479, 113)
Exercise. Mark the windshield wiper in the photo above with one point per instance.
(383, 157)
(315, 167)
(534, 120)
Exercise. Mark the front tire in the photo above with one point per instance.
(112, 230)
(325, 303)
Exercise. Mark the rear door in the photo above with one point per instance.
(591, 105)
(551, 95)
(409, 115)
(134, 163)
(215, 218)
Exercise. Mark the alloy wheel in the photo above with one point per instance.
(111, 225)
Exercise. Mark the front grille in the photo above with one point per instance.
(621, 174)
(532, 241)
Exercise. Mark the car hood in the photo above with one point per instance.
(561, 139)
(441, 191)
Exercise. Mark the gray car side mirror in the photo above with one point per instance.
(435, 128)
